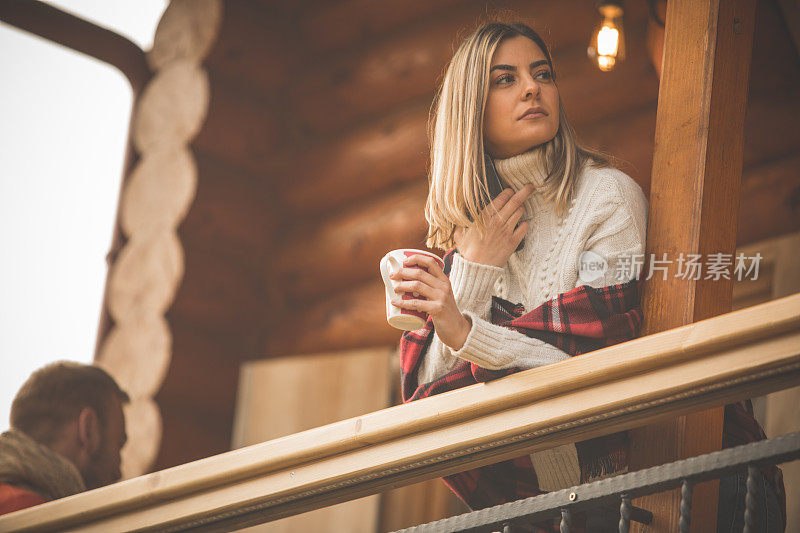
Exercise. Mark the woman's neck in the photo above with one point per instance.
(527, 167)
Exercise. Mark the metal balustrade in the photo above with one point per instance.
(619, 490)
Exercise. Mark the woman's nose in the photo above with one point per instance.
(531, 88)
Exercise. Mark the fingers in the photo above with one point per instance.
(493, 207)
(519, 233)
(425, 261)
(514, 218)
(516, 201)
(416, 289)
(426, 306)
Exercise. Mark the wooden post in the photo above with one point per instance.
(694, 201)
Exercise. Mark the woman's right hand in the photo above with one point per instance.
(502, 233)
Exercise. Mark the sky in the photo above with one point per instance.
(63, 127)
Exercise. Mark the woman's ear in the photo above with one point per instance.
(88, 430)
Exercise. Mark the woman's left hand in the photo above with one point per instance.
(451, 326)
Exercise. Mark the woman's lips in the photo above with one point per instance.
(532, 116)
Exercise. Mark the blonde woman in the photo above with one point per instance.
(499, 108)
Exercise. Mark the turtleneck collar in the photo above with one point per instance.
(527, 167)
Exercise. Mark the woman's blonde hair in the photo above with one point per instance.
(458, 190)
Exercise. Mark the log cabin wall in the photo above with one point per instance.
(361, 181)
(311, 164)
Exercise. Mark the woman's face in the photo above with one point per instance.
(519, 80)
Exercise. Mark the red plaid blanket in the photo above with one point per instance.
(589, 319)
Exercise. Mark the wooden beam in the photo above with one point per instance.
(322, 259)
(233, 213)
(242, 126)
(389, 152)
(255, 45)
(791, 15)
(772, 207)
(706, 363)
(408, 64)
(333, 28)
(697, 168)
(80, 35)
(352, 318)
(186, 32)
(224, 297)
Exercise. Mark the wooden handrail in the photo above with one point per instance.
(711, 362)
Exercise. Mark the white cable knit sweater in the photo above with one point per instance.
(608, 215)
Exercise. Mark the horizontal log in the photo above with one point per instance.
(629, 140)
(770, 126)
(186, 31)
(409, 65)
(198, 393)
(190, 435)
(354, 318)
(222, 297)
(144, 430)
(233, 214)
(241, 126)
(143, 280)
(137, 353)
(331, 28)
(392, 151)
(172, 107)
(628, 137)
(711, 362)
(204, 369)
(771, 200)
(342, 251)
(158, 192)
(774, 60)
(255, 45)
(395, 151)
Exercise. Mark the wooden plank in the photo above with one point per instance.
(706, 363)
(279, 397)
(695, 186)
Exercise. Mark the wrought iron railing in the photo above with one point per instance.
(619, 490)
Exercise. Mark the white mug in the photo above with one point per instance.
(397, 317)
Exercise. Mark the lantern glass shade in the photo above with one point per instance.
(607, 46)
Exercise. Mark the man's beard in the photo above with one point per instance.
(94, 475)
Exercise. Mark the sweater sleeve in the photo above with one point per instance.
(489, 346)
(617, 244)
(472, 284)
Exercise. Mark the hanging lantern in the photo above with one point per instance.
(607, 46)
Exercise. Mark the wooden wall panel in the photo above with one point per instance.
(343, 251)
(278, 397)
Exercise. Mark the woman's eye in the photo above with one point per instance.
(545, 74)
(506, 77)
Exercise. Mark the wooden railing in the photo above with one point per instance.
(711, 362)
